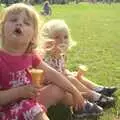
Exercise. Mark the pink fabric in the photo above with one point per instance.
(14, 73)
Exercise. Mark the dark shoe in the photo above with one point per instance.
(105, 101)
(90, 110)
(108, 91)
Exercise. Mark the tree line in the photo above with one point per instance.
(7, 2)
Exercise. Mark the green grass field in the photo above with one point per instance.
(96, 29)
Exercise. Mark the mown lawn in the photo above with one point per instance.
(96, 29)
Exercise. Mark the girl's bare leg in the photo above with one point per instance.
(41, 116)
(88, 93)
(50, 95)
(89, 84)
(108, 91)
(68, 99)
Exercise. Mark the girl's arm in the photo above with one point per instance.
(61, 81)
(13, 94)
(6, 96)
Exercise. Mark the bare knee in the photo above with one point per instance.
(50, 95)
(68, 99)
(57, 93)
(41, 116)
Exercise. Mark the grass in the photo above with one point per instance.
(96, 29)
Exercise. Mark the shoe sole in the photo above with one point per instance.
(107, 105)
(87, 118)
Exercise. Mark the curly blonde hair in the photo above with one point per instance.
(52, 26)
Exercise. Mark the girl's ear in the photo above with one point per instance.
(32, 45)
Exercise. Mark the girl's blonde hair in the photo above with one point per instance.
(31, 13)
(52, 26)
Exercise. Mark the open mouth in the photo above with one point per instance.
(18, 31)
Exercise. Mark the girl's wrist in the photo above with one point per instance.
(19, 92)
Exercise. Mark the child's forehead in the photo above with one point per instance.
(60, 32)
(59, 29)
(16, 13)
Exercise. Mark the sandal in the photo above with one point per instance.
(108, 91)
(90, 110)
(105, 101)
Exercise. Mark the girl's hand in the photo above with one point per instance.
(78, 101)
(49, 45)
(29, 91)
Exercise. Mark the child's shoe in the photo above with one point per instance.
(90, 110)
(108, 91)
(105, 101)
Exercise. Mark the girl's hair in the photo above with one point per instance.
(52, 26)
(31, 13)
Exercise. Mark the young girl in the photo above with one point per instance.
(57, 39)
(19, 33)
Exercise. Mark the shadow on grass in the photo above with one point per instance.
(62, 112)
(59, 112)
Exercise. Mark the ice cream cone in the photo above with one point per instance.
(81, 70)
(37, 76)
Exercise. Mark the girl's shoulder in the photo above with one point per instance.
(1, 60)
(1, 52)
(1, 55)
(36, 58)
(37, 54)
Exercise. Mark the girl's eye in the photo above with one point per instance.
(66, 37)
(56, 37)
(27, 23)
(13, 20)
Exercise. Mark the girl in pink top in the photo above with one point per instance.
(19, 30)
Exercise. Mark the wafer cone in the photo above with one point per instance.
(37, 76)
(81, 70)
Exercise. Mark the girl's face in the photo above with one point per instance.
(61, 41)
(18, 30)
(60, 37)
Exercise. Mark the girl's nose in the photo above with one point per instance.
(19, 23)
(62, 39)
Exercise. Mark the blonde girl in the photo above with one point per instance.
(19, 32)
(57, 40)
